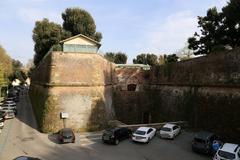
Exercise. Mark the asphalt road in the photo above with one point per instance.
(20, 137)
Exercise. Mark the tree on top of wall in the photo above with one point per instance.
(110, 56)
(79, 21)
(150, 59)
(45, 35)
(170, 58)
(219, 30)
(48, 34)
(118, 58)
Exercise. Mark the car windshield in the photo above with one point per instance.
(67, 133)
(226, 155)
(198, 140)
(166, 129)
(108, 131)
(140, 132)
(2, 113)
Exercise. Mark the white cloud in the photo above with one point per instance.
(169, 35)
(219, 4)
(32, 15)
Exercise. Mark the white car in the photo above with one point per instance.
(9, 106)
(228, 151)
(1, 123)
(9, 113)
(9, 103)
(169, 131)
(143, 134)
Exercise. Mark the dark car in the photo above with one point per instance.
(12, 98)
(2, 115)
(66, 135)
(9, 113)
(202, 142)
(116, 135)
(1, 123)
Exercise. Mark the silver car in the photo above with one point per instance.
(9, 113)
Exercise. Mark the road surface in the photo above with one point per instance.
(21, 137)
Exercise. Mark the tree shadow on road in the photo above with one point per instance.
(25, 112)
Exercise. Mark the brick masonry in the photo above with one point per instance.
(203, 91)
(75, 83)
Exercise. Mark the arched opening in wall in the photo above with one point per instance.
(131, 87)
(146, 117)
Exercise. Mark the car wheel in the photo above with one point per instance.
(160, 136)
(103, 141)
(116, 142)
(148, 140)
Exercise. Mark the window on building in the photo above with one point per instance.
(131, 87)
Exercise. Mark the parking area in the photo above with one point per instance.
(20, 137)
(157, 149)
(92, 148)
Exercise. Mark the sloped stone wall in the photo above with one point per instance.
(75, 83)
(204, 91)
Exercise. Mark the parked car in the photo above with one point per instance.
(10, 107)
(116, 135)
(11, 98)
(9, 102)
(144, 134)
(8, 113)
(2, 114)
(66, 135)
(6, 108)
(202, 142)
(169, 131)
(228, 151)
(1, 123)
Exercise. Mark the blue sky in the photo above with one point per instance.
(130, 26)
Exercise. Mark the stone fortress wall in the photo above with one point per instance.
(203, 91)
(75, 83)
